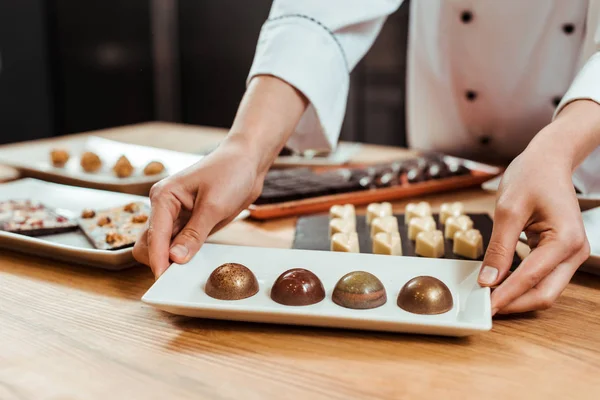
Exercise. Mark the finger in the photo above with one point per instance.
(537, 265)
(187, 242)
(545, 293)
(160, 228)
(140, 249)
(499, 255)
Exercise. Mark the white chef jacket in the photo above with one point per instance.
(483, 75)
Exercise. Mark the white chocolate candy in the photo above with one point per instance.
(416, 210)
(345, 211)
(375, 210)
(345, 242)
(340, 225)
(387, 243)
(430, 244)
(451, 210)
(418, 225)
(468, 244)
(455, 224)
(387, 224)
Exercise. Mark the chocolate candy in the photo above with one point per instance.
(59, 157)
(387, 244)
(31, 218)
(416, 175)
(455, 224)
(425, 295)
(297, 287)
(412, 210)
(339, 225)
(418, 225)
(123, 167)
(468, 244)
(345, 242)
(115, 228)
(90, 162)
(154, 168)
(231, 281)
(376, 210)
(451, 210)
(387, 224)
(437, 170)
(430, 244)
(456, 168)
(359, 290)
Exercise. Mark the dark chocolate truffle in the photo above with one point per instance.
(297, 287)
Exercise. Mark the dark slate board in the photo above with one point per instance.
(312, 233)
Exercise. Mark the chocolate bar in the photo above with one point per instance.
(30, 218)
(115, 228)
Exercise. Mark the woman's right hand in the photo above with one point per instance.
(189, 205)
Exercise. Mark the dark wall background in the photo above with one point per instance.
(71, 66)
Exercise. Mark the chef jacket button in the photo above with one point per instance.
(485, 140)
(471, 95)
(556, 101)
(466, 16)
(568, 28)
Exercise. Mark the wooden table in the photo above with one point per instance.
(69, 332)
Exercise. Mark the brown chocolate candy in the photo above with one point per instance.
(359, 290)
(231, 281)
(297, 287)
(425, 295)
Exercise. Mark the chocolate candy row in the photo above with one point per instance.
(356, 290)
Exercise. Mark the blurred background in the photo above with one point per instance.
(69, 66)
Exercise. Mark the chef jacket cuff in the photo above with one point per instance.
(586, 86)
(306, 55)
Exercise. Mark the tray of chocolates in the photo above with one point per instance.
(299, 191)
(451, 234)
(327, 289)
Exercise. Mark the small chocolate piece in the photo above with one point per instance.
(437, 170)
(387, 224)
(425, 295)
(468, 244)
(132, 207)
(87, 213)
(455, 224)
(416, 175)
(154, 168)
(123, 168)
(430, 244)
(387, 244)
(297, 287)
(451, 210)
(231, 281)
(285, 152)
(416, 210)
(30, 218)
(139, 219)
(340, 225)
(113, 237)
(420, 224)
(345, 242)
(375, 210)
(59, 157)
(456, 168)
(90, 162)
(359, 290)
(345, 211)
(103, 220)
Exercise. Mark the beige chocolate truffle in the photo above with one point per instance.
(420, 224)
(154, 168)
(451, 210)
(430, 244)
(375, 210)
(416, 210)
(386, 224)
(59, 157)
(123, 167)
(345, 211)
(340, 225)
(90, 162)
(387, 243)
(455, 224)
(468, 244)
(345, 242)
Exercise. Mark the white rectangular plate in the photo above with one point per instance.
(33, 159)
(69, 201)
(180, 290)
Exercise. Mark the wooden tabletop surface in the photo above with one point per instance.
(70, 332)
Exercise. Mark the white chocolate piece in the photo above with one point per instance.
(451, 210)
(387, 243)
(416, 210)
(468, 244)
(430, 244)
(418, 225)
(340, 225)
(387, 224)
(345, 242)
(375, 210)
(455, 224)
(345, 211)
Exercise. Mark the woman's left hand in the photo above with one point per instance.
(537, 196)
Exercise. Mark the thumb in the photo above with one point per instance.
(501, 249)
(193, 235)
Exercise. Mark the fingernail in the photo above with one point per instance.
(488, 275)
(494, 311)
(179, 251)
